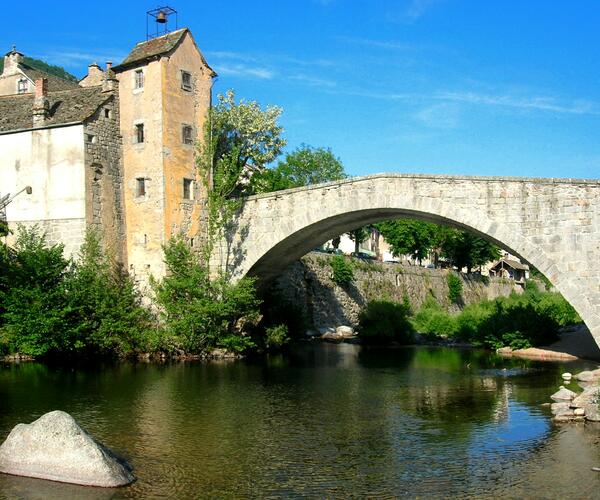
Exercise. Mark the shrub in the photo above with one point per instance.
(383, 322)
(34, 297)
(276, 337)
(455, 288)
(342, 270)
(433, 321)
(199, 311)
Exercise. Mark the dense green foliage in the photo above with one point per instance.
(51, 305)
(302, 167)
(518, 321)
(455, 287)
(342, 272)
(383, 322)
(432, 321)
(422, 239)
(276, 337)
(51, 69)
(200, 311)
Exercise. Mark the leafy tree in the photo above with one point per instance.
(34, 297)
(104, 306)
(199, 311)
(408, 236)
(358, 236)
(302, 167)
(238, 138)
(464, 249)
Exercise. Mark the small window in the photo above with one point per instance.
(139, 132)
(186, 81)
(191, 242)
(188, 189)
(22, 86)
(139, 79)
(187, 134)
(107, 113)
(90, 139)
(140, 187)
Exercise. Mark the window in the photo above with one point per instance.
(139, 133)
(106, 113)
(22, 86)
(90, 139)
(187, 134)
(139, 79)
(188, 189)
(186, 81)
(140, 187)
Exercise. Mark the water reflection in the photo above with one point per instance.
(324, 420)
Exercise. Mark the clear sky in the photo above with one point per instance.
(423, 86)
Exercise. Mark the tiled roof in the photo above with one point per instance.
(512, 263)
(152, 48)
(66, 106)
(54, 82)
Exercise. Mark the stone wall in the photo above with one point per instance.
(68, 232)
(104, 176)
(307, 284)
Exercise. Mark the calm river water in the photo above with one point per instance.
(325, 420)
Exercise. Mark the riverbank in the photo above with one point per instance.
(575, 342)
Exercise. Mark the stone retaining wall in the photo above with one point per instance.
(307, 284)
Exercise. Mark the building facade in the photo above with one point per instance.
(114, 152)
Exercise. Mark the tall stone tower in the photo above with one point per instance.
(165, 94)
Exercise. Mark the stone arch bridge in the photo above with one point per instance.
(553, 224)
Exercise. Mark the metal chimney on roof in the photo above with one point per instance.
(161, 17)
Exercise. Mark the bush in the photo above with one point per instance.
(199, 311)
(433, 321)
(342, 270)
(455, 288)
(34, 297)
(53, 306)
(276, 337)
(382, 322)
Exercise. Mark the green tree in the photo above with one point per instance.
(342, 272)
(34, 297)
(104, 306)
(464, 249)
(238, 138)
(302, 167)
(358, 236)
(201, 311)
(408, 236)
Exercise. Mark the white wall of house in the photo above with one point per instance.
(51, 161)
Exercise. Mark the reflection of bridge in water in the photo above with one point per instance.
(554, 224)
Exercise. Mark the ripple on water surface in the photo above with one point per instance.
(325, 420)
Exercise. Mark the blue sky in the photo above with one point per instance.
(420, 86)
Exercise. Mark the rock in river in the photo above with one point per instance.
(563, 394)
(55, 447)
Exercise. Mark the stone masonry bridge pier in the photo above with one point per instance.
(554, 224)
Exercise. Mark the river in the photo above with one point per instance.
(324, 420)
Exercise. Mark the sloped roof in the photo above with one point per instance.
(512, 263)
(54, 82)
(66, 106)
(152, 48)
(156, 47)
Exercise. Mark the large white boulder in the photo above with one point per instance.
(55, 447)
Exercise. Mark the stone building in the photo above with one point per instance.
(114, 152)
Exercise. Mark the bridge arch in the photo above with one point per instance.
(553, 224)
